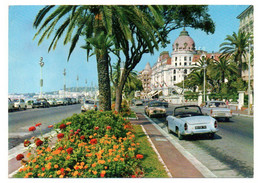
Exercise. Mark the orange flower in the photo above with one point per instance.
(68, 123)
(28, 155)
(115, 159)
(139, 156)
(68, 157)
(94, 172)
(56, 166)
(122, 159)
(61, 176)
(94, 165)
(58, 172)
(75, 173)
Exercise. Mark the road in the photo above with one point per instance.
(229, 154)
(20, 121)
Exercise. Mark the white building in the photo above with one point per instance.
(170, 70)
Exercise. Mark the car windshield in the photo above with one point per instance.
(155, 104)
(16, 100)
(186, 111)
(218, 104)
(89, 102)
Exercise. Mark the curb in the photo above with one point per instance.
(245, 115)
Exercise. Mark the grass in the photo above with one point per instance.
(153, 168)
(132, 115)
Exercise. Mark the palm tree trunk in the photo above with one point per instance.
(104, 82)
(119, 90)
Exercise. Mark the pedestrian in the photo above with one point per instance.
(226, 101)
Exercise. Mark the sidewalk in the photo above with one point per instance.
(177, 164)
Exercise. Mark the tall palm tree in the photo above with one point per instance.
(95, 22)
(236, 47)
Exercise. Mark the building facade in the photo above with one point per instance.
(145, 77)
(247, 25)
(171, 69)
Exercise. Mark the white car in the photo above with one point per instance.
(10, 105)
(217, 109)
(19, 104)
(189, 120)
(89, 105)
(52, 101)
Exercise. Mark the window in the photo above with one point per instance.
(185, 63)
(185, 58)
(174, 78)
(185, 71)
(174, 71)
(190, 58)
(180, 63)
(175, 64)
(176, 58)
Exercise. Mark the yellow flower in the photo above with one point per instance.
(50, 176)
(58, 172)
(61, 176)
(75, 173)
(103, 172)
(94, 172)
(42, 174)
(90, 137)
(68, 169)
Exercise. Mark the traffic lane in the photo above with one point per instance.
(47, 116)
(232, 144)
(20, 122)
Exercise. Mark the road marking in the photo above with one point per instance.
(202, 168)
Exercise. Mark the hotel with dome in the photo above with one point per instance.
(162, 77)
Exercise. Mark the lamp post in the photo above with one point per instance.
(249, 77)
(41, 80)
(64, 73)
(77, 83)
(204, 83)
(86, 85)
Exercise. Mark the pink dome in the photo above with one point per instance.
(184, 42)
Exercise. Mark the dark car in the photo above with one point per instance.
(40, 102)
(69, 101)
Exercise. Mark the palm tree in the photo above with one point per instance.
(236, 47)
(95, 22)
(223, 68)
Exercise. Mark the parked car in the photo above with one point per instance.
(52, 101)
(29, 103)
(155, 108)
(138, 102)
(189, 120)
(40, 102)
(90, 105)
(10, 105)
(19, 104)
(217, 109)
(74, 101)
(165, 103)
(69, 101)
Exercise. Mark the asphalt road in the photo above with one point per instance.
(20, 121)
(229, 154)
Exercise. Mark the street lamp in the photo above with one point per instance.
(86, 85)
(41, 80)
(204, 83)
(77, 83)
(249, 76)
(183, 87)
(64, 73)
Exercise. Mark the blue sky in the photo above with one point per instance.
(24, 53)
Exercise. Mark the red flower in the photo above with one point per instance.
(115, 112)
(101, 110)
(60, 148)
(133, 176)
(62, 126)
(102, 175)
(109, 127)
(32, 128)
(43, 168)
(38, 142)
(62, 169)
(93, 141)
(19, 157)
(50, 126)
(82, 137)
(78, 130)
(26, 143)
(96, 128)
(60, 135)
(139, 156)
(70, 150)
(38, 124)
(71, 131)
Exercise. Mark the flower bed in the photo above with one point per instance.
(93, 144)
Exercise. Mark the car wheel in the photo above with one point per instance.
(227, 119)
(180, 136)
(25, 107)
(19, 108)
(168, 129)
(211, 135)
